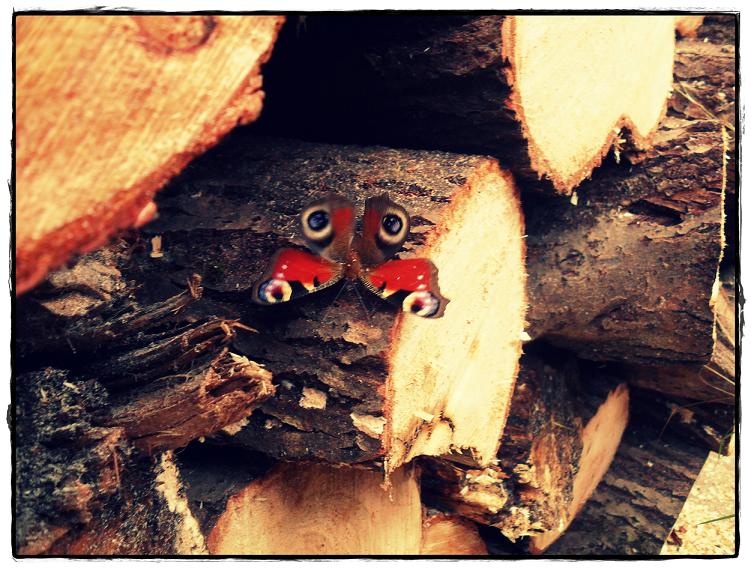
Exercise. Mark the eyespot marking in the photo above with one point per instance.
(391, 224)
(274, 290)
(421, 303)
(318, 220)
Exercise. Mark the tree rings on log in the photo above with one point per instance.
(570, 117)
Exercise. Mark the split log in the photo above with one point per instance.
(109, 108)
(635, 505)
(177, 409)
(314, 509)
(547, 464)
(601, 438)
(524, 89)
(449, 535)
(166, 386)
(626, 272)
(149, 516)
(355, 387)
(704, 89)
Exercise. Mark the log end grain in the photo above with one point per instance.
(569, 116)
(110, 108)
(313, 509)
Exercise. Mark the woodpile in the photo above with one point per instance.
(180, 392)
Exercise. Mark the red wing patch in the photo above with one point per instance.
(293, 273)
(411, 284)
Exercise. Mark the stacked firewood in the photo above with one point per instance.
(574, 206)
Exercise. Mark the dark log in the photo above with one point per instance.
(81, 487)
(627, 272)
(512, 87)
(634, 507)
(705, 71)
(354, 386)
(176, 409)
(713, 383)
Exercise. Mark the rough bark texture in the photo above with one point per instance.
(529, 488)
(712, 383)
(627, 271)
(109, 108)
(638, 500)
(81, 487)
(705, 70)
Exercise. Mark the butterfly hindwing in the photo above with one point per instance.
(294, 273)
(328, 226)
(411, 284)
(385, 227)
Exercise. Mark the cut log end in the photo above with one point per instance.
(313, 509)
(435, 397)
(600, 439)
(568, 138)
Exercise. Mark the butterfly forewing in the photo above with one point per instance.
(294, 273)
(385, 227)
(411, 284)
(328, 226)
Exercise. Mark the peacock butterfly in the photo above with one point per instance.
(328, 226)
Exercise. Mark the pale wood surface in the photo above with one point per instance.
(108, 108)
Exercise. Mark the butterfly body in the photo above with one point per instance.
(328, 228)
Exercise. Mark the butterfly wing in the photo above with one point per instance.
(385, 227)
(294, 273)
(328, 226)
(411, 284)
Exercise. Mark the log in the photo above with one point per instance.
(524, 89)
(713, 383)
(355, 387)
(314, 509)
(148, 517)
(109, 108)
(449, 535)
(634, 507)
(165, 387)
(82, 488)
(601, 438)
(626, 271)
(548, 462)
(705, 70)
(686, 25)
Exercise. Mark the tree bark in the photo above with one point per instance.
(634, 507)
(626, 272)
(512, 87)
(109, 108)
(81, 487)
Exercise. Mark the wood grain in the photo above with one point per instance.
(108, 108)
